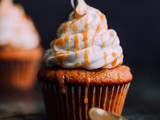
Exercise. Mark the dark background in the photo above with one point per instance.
(137, 23)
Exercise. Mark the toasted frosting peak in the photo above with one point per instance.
(85, 41)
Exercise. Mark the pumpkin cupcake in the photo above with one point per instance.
(83, 68)
(20, 51)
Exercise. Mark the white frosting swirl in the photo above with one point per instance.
(85, 41)
(16, 29)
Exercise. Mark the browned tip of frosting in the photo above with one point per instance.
(119, 75)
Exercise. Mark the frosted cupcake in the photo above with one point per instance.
(83, 68)
(20, 50)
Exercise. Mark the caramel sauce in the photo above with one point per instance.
(86, 95)
(60, 78)
(67, 39)
(78, 64)
(105, 59)
(76, 42)
(60, 42)
(85, 38)
(75, 27)
(114, 55)
(66, 27)
(60, 56)
(114, 62)
(122, 60)
(86, 58)
(102, 17)
(96, 33)
(74, 20)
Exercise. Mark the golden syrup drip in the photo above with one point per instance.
(85, 38)
(96, 33)
(60, 56)
(86, 96)
(60, 42)
(114, 55)
(114, 62)
(78, 64)
(74, 21)
(105, 59)
(86, 58)
(75, 27)
(102, 17)
(122, 56)
(66, 27)
(76, 42)
(86, 90)
(85, 33)
(67, 39)
(60, 77)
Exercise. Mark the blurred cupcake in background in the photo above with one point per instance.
(20, 50)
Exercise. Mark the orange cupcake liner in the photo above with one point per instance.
(75, 103)
(19, 75)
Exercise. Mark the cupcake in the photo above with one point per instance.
(83, 68)
(20, 51)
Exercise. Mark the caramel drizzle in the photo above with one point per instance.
(66, 27)
(60, 78)
(60, 56)
(105, 59)
(122, 56)
(102, 17)
(76, 42)
(75, 27)
(86, 58)
(67, 39)
(96, 33)
(86, 96)
(115, 56)
(60, 42)
(85, 35)
(78, 64)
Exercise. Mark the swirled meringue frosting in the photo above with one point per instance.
(16, 28)
(85, 41)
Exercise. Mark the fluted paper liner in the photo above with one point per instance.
(75, 103)
(20, 75)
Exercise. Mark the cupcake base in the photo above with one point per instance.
(70, 93)
(20, 75)
(75, 103)
(18, 69)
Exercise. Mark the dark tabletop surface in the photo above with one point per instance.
(142, 103)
